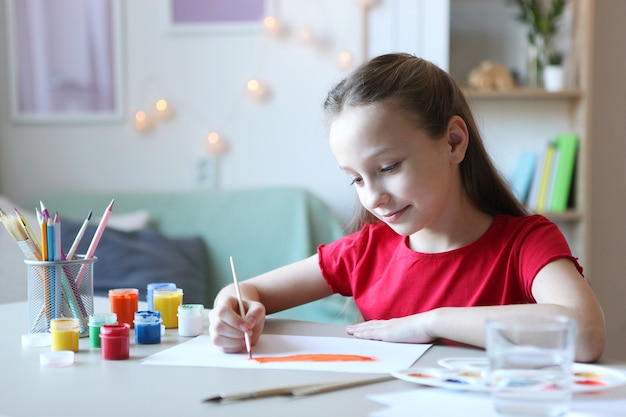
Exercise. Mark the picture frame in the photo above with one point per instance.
(206, 17)
(65, 61)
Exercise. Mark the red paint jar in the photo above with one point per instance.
(115, 341)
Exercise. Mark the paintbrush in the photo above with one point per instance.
(18, 231)
(242, 311)
(298, 390)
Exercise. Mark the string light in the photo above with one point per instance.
(257, 90)
(143, 122)
(345, 61)
(272, 26)
(163, 110)
(214, 144)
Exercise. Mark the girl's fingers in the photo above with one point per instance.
(227, 327)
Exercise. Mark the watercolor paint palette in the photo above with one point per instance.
(470, 374)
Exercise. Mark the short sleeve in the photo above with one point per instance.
(540, 242)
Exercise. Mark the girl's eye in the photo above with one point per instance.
(356, 181)
(389, 168)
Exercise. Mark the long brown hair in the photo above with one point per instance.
(432, 96)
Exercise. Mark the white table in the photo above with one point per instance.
(96, 387)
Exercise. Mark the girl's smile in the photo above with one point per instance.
(394, 216)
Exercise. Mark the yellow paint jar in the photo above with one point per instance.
(64, 334)
(167, 302)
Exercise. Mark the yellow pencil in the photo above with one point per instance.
(43, 225)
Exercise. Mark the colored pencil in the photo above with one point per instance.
(79, 237)
(43, 226)
(50, 238)
(57, 237)
(95, 240)
(99, 230)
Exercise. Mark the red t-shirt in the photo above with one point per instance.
(387, 279)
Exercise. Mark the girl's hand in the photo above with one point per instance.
(411, 329)
(227, 327)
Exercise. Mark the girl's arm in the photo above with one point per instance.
(274, 291)
(558, 288)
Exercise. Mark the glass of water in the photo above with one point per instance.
(530, 364)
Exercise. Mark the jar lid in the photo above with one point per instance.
(147, 317)
(115, 329)
(123, 291)
(163, 292)
(98, 319)
(190, 309)
(164, 285)
(64, 324)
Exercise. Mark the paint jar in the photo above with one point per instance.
(167, 302)
(190, 319)
(147, 327)
(124, 302)
(95, 321)
(115, 341)
(156, 286)
(64, 334)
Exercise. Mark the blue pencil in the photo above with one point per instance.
(50, 237)
(53, 287)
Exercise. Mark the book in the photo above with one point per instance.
(567, 145)
(533, 194)
(546, 175)
(522, 177)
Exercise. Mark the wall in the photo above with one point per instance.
(608, 171)
(281, 141)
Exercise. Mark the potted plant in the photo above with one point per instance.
(555, 58)
(541, 18)
(553, 74)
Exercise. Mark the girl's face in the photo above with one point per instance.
(403, 177)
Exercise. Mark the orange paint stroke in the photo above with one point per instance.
(315, 357)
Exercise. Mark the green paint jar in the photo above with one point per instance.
(95, 321)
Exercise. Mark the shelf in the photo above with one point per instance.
(570, 216)
(524, 93)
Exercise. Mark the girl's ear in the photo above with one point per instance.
(458, 139)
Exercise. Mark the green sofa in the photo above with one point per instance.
(262, 228)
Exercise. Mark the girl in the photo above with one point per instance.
(441, 245)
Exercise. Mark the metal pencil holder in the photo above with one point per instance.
(59, 289)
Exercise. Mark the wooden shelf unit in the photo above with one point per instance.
(518, 116)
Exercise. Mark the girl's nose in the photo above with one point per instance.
(373, 196)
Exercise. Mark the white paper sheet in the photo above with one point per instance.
(388, 357)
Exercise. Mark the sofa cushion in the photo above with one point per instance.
(135, 259)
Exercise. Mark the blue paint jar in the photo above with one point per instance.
(156, 286)
(147, 327)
